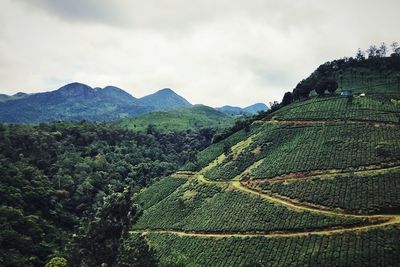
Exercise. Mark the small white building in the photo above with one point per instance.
(346, 93)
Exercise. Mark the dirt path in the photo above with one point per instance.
(374, 221)
(329, 231)
(292, 203)
(326, 174)
(325, 122)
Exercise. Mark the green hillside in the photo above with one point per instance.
(314, 183)
(196, 117)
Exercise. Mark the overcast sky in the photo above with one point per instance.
(214, 52)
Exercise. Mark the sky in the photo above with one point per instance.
(213, 52)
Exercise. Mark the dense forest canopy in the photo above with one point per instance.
(69, 185)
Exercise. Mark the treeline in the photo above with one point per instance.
(325, 80)
(326, 77)
(66, 188)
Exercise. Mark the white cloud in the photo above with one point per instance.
(212, 52)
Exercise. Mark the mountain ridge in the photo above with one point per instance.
(249, 110)
(79, 101)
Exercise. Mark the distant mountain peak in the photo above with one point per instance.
(256, 108)
(253, 109)
(113, 88)
(166, 90)
(164, 99)
(74, 85)
(20, 94)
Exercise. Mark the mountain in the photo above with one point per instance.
(250, 110)
(117, 94)
(253, 109)
(5, 98)
(233, 111)
(164, 99)
(194, 118)
(74, 101)
(78, 101)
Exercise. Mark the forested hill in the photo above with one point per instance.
(66, 188)
(373, 75)
(250, 110)
(77, 101)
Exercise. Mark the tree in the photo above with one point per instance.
(382, 50)
(57, 262)
(395, 49)
(327, 84)
(287, 99)
(274, 106)
(372, 51)
(331, 85)
(320, 88)
(98, 239)
(134, 251)
(304, 88)
(360, 55)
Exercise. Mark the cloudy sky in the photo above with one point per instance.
(214, 52)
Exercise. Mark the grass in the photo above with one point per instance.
(192, 118)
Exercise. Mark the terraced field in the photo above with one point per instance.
(363, 192)
(278, 150)
(338, 108)
(290, 191)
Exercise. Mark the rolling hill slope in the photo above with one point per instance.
(195, 117)
(250, 110)
(314, 183)
(164, 99)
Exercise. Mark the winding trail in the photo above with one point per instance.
(374, 221)
(321, 122)
(327, 174)
(272, 234)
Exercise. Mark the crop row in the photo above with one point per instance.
(157, 191)
(330, 147)
(260, 146)
(378, 193)
(372, 248)
(213, 209)
(204, 157)
(361, 108)
(295, 149)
